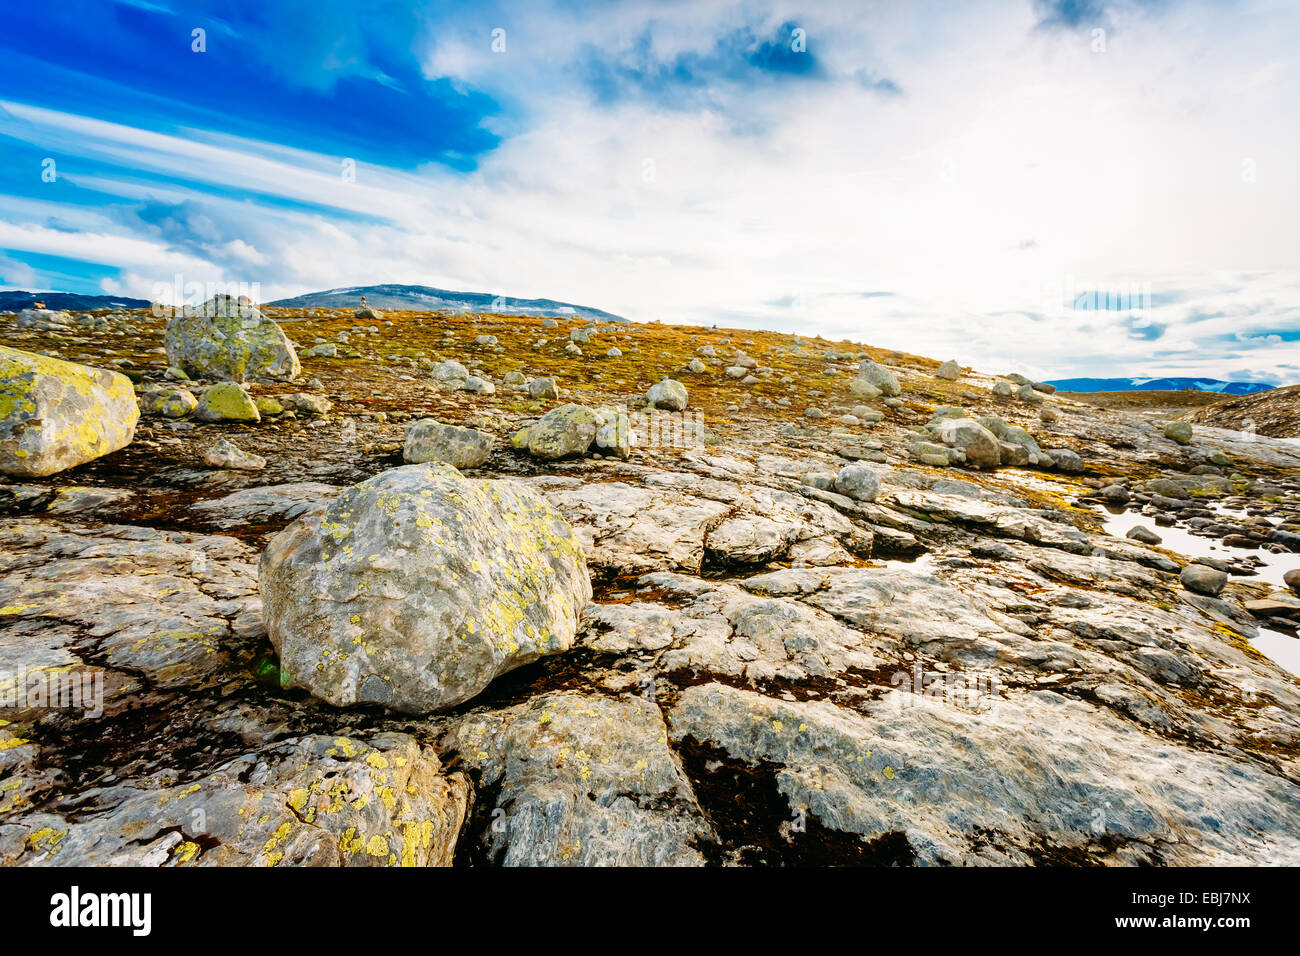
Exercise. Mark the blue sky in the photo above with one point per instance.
(1075, 187)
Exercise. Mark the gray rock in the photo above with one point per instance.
(980, 445)
(876, 376)
(226, 402)
(668, 393)
(306, 402)
(229, 339)
(858, 482)
(563, 432)
(1144, 535)
(582, 780)
(949, 370)
(416, 588)
(1203, 579)
(1180, 432)
(225, 454)
(543, 388)
(429, 440)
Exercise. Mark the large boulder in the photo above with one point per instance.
(668, 393)
(878, 377)
(416, 588)
(226, 338)
(1180, 432)
(1203, 579)
(56, 415)
(980, 445)
(563, 432)
(949, 370)
(857, 481)
(430, 440)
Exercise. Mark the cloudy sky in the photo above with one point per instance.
(1073, 187)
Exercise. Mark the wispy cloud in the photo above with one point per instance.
(945, 179)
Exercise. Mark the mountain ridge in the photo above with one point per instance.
(396, 297)
(1169, 384)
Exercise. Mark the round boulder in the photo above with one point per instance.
(669, 394)
(416, 588)
(227, 338)
(429, 440)
(1203, 579)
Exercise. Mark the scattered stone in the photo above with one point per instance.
(226, 402)
(1203, 579)
(858, 482)
(877, 377)
(307, 402)
(429, 440)
(543, 388)
(979, 445)
(949, 370)
(1144, 535)
(668, 393)
(225, 454)
(324, 350)
(1180, 432)
(450, 372)
(169, 402)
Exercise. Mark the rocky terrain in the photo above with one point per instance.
(694, 597)
(1275, 413)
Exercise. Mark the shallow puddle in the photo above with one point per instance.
(1276, 644)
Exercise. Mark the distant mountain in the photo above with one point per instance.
(14, 300)
(1158, 384)
(425, 298)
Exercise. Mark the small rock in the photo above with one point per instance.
(1203, 579)
(1144, 535)
(225, 454)
(669, 394)
(226, 402)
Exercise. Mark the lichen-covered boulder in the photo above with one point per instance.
(429, 440)
(56, 415)
(614, 436)
(227, 338)
(168, 402)
(668, 393)
(227, 402)
(980, 445)
(416, 588)
(949, 370)
(1180, 432)
(878, 377)
(564, 431)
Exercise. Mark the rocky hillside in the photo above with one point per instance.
(687, 597)
(1274, 413)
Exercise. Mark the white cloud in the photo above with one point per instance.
(1015, 164)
